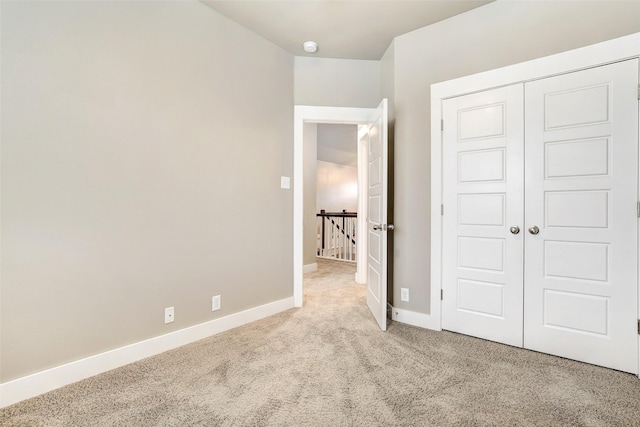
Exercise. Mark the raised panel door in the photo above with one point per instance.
(581, 152)
(377, 170)
(483, 198)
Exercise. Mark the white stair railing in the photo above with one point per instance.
(337, 235)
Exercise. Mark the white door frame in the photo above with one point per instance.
(587, 57)
(363, 204)
(312, 114)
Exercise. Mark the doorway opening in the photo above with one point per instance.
(304, 117)
(373, 160)
(330, 193)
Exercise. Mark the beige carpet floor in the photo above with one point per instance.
(327, 364)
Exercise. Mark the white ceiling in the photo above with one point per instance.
(337, 143)
(350, 29)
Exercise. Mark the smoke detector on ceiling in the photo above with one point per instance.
(310, 47)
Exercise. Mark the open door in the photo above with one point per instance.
(377, 227)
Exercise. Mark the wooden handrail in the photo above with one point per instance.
(343, 214)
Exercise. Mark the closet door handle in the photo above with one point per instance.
(534, 230)
(514, 229)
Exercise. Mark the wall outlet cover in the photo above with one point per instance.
(404, 294)
(168, 315)
(215, 303)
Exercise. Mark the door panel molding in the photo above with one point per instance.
(581, 294)
(377, 194)
(482, 266)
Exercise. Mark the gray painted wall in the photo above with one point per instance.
(387, 79)
(495, 35)
(142, 149)
(336, 82)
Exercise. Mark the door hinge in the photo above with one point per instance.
(442, 298)
(638, 209)
(639, 327)
(638, 91)
(442, 120)
(442, 209)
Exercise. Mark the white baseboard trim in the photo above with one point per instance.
(41, 382)
(412, 318)
(310, 268)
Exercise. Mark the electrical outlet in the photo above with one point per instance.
(168, 315)
(215, 303)
(404, 294)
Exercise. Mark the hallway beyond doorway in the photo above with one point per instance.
(332, 275)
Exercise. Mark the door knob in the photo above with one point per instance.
(534, 230)
(384, 227)
(514, 229)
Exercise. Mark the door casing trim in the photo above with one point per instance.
(312, 114)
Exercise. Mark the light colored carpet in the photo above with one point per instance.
(327, 364)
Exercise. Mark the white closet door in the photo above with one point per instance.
(483, 198)
(581, 154)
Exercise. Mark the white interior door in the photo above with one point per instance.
(377, 226)
(582, 172)
(482, 272)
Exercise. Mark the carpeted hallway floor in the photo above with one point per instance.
(328, 364)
